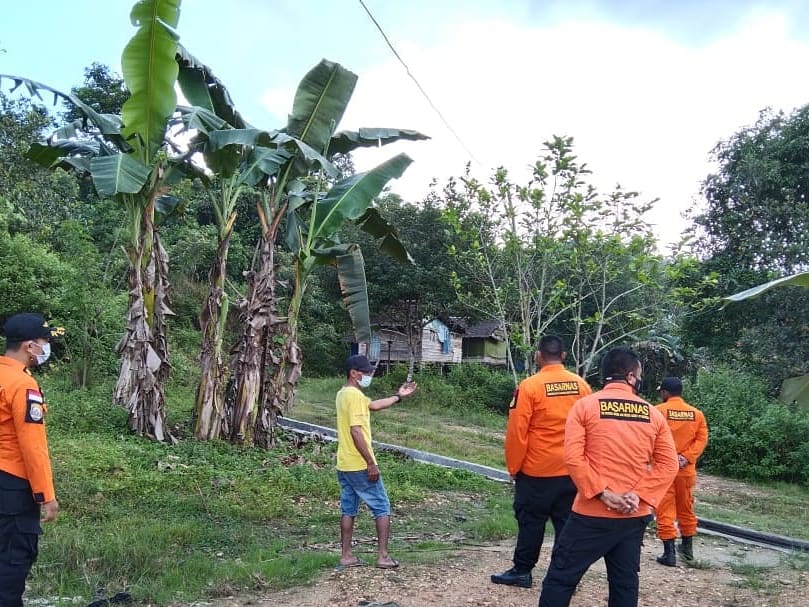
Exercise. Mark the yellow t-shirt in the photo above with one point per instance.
(352, 410)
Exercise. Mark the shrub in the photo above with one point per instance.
(750, 436)
(465, 387)
(491, 388)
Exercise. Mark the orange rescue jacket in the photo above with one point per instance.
(689, 429)
(615, 440)
(535, 434)
(23, 443)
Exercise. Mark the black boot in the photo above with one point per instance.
(686, 548)
(512, 577)
(669, 556)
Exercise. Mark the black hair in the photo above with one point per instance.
(13, 346)
(618, 363)
(551, 346)
(675, 391)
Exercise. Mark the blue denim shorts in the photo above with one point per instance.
(355, 486)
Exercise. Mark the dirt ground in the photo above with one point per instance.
(728, 574)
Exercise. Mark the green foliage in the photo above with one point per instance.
(32, 277)
(757, 211)
(150, 73)
(465, 388)
(103, 90)
(90, 309)
(422, 231)
(554, 255)
(751, 436)
(197, 520)
(483, 385)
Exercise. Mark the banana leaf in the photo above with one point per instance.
(350, 198)
(348, 141)
(320, 102)
(150, 73)
(799, 280)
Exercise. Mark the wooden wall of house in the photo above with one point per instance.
(484, 351)
(398, 350)
(432, 350)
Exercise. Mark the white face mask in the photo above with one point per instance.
(46, 353)
(365, 381)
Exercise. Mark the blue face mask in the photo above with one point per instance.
(365, 381)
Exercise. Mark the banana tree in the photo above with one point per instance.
(267, 360)
(127, 161)
(213, 110)
(793, 389)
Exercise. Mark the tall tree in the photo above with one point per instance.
(102, 90)
(755, 228)
(757, 203)
(554, 254)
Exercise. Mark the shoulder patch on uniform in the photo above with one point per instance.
(513, 402)
(34, 407)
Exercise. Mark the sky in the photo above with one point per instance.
(646, 88)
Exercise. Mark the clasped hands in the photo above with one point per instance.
(626, 503)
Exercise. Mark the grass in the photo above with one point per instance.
(776, 508)
(754, 577)
(198, 520)
(419, 422)
(192, 521)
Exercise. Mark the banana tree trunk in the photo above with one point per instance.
(259, 313)
(210, 416)
(144, 347)
(282, 369)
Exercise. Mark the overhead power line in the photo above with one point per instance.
(418, 84)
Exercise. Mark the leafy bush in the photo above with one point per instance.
(750, 436)
(465, 387)
(31, 276)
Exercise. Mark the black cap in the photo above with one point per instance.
(672, 385)
(358, 362)
(26, 326)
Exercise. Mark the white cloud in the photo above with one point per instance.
(644, 109)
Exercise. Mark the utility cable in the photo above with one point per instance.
(418, 84)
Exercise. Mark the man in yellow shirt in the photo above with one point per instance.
(357, 469)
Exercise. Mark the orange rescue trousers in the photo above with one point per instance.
(677, 504)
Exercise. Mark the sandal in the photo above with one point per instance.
(392, 565)
(355, 563)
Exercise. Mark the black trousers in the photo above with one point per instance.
(537, 499)
(19, 539)
(584, 540)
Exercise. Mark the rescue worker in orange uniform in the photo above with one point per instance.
(534, 456)
(690, 432)
(26, 481)
(620, 454)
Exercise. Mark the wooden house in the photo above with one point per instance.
(485, 343)
(436, 342)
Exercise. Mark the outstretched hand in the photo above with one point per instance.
(406, 389)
